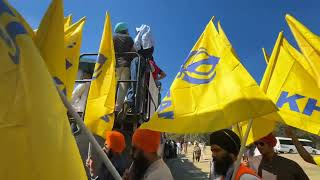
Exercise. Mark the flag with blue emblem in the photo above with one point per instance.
(72, 45)
(36, 138)
(50, 42)
(99, 116)
(289, 82)
(294, 89)
(309, 44)
(211, 91)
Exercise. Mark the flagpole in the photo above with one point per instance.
(242, 149)
(92, 140)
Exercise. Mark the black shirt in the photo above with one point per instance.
(119, 162)
(283, 168)
(123, 43)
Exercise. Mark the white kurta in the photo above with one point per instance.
(158, 170)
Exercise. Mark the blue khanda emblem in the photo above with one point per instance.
(199, 67)
(10, 33)
(68, 62)
(165, 108)
(106, 118)
(60, 85)
(99, 64)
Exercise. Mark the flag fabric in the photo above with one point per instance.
(36, 142)
(265, 55)
(99, 116)
(50, 42)
(293, 89)
(72, 44)
(262, 126)
(212, 91)
(67, 21)
(309, 44)
(25, 24)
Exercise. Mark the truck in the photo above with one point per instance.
(146, 102)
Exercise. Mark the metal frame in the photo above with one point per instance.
(139, 105)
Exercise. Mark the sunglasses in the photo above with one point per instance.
(133, 149)
(259, 143)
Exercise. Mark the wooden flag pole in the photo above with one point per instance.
(242, 149)
(92, 140)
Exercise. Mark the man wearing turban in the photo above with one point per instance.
(273, 166)
(225, 147)
(114, 147)
(147, 165)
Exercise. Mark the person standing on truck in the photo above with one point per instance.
(144, 45)
(143, 42)
(123, 44)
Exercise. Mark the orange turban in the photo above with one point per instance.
(146, 140)
(115, 141)
(269, 139)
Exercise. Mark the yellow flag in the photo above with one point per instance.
(50, 42)
(238, 130)
(67, 21)
(72, 44)
(293, 89)
(260, 128)
(265, 55)
(99, 115)
(36, 138)
(309, 44)
(212, 90)
(24, 23)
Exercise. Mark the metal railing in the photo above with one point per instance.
(140, 96)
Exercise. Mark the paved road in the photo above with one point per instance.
(311, 170)
(182, 168)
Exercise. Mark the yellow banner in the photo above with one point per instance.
(99, 116)
(309, 44)
(72, 44)
(67, 21)
(50, 42)
(36, 138)
(294, 91)
(292, 87)
(212, 90)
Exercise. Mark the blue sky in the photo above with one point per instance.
(177, 24)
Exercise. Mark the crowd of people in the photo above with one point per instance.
(225, 145)
(145, 163)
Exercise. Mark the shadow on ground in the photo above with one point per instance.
(182, 168)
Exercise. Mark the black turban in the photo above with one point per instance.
(227, 140)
